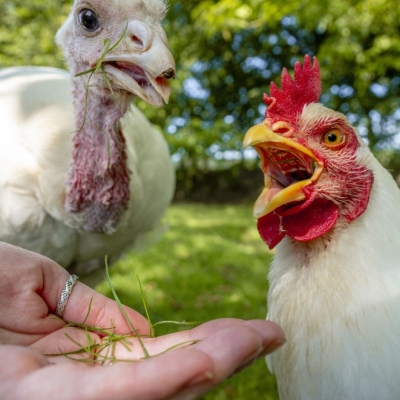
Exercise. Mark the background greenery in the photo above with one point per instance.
(211, 262)
(228, 51)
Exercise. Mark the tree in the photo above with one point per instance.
(227, 52)
(242, 47)
(27, 32)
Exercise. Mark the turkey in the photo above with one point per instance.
(84, 174)
(331, 211)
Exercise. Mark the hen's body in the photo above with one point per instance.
(36, 110)
(331, 210)
(338, 300)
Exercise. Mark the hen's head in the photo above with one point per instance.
(313, 175)
(128, 39)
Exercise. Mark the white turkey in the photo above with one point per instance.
(332, 211)
(83, 173)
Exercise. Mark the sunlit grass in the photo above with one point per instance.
(210, 264)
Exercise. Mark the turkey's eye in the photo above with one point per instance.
(88, 20)
(332, 137)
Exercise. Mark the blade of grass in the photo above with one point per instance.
(86, 99)
(184, 323)
(188, 342)
(88, 311)
(107, 49)
(120, 38)
(121, 308)
(108, 83)
(88, 71)
(107, 46)
(152, 330)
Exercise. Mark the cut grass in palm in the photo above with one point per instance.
(94, 352)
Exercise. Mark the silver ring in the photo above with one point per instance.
(65, 295)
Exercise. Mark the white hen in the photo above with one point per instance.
(83, 173)
(331, 210)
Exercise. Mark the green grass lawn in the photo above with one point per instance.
(210, 264)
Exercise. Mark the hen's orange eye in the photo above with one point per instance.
(333, 137)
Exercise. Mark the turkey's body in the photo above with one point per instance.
(36, 110)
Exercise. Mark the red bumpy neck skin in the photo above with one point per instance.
(98, 179)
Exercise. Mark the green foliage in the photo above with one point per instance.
(27, 32)
(231, 51)
(228, 51)
(210, 264)
(361, 50)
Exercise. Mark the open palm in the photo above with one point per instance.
(30, 286)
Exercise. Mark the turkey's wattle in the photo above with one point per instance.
(84, 173)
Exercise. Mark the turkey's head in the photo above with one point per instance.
(116, 49)
(314, 176)
(122, 40)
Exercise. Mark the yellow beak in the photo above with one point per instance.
(274, 195)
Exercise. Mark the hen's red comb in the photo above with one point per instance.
(287, 104)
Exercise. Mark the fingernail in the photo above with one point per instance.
(199, 379)
(273, 346)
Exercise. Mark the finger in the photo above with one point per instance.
(153, 379)
(69, 345)
(271, 336)
(85, 304)
(16, 362)
(181, 339)
(104, 312)
(23, 309)
(196, 334)
(231, 350)
(8, 336)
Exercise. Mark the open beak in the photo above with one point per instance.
(287, 165)
(144, 74)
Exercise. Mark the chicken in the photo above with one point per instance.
(83, 173)
(331, 210)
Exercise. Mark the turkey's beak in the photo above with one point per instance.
(288, 167)
(144, 73)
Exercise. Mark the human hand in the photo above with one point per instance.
(30, 286)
